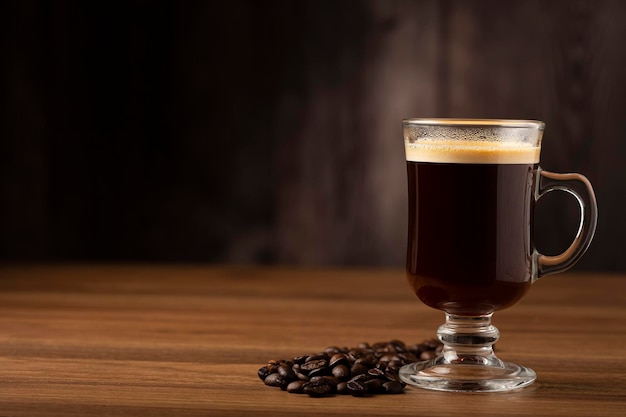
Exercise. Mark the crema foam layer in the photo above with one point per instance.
(471, 152)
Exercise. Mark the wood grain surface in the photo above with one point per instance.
(188, 340)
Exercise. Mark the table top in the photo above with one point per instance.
(92, 340)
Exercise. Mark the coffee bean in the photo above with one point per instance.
(362, 377)
(287, 373)
(332, 350)
(393, 387)
(342, 388)
(263, 372)
(354, 354)
(317, 357)
(379, 345)
(407, 357)
(357, 388)
(358, 369)
(389, 358)
(302, 377)
(398, 345)
(374, 386)
(392, 376)
(312, 365)
(300, 359)
(318, 388)
(376, 373)
(275, 380)
(296, 387)
(332, 381)
(398, 364)
(338, 359)
(272, 366)
(367, 360)
(320, 372)
(428, 355)
(341, 372)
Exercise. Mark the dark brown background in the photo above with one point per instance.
(269, 131)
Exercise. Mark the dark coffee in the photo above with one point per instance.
(470, 234)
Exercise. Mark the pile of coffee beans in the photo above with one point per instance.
(363, 370)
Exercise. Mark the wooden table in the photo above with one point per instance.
(188, 340)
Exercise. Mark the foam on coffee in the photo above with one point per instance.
(471, 152)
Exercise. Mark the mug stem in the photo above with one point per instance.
(469, 340)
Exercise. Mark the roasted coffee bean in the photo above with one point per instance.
(338, 359)
(272, 366)
(374, 386)
(318, 388)
(392, 376)
(376, 373)
(394, 368)
(393, 387)
(358, 369)
(302, 377)
(368, 360)
(300, 359)
(320, 372)
(275, 380)
(309, 366)
(287, 373)
(296, 387)
(415, 349)
(379, 345)
(341, 372)
(428, 355)
(263, 372)
(342, 388)
(354, 354)
(317, 357)
(357, 388)
(398, 364)
(398, 345)
(389, 358)
(407, 357)
(361, 378)
(332, 350)
(331, 380)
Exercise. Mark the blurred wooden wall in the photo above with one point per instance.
(269, 131)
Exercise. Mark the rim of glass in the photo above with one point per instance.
(475, 122)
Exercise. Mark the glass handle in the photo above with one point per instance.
(580, 187)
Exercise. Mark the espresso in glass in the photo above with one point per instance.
(473, 186)
(470, 224)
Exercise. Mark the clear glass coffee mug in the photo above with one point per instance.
(473, 185)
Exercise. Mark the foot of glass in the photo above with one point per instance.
(467, 362)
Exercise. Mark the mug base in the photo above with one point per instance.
(438, 375)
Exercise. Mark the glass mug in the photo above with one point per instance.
(473, 185)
